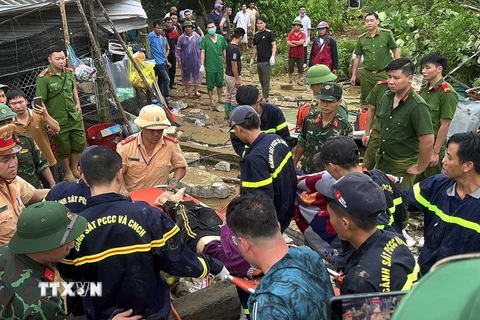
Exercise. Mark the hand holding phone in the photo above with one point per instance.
(37, 101)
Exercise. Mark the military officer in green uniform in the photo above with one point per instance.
(406, 133)
(442, 101)
(45, 234)
(375, 46)
(31, 161)
(316, 76)
(370, 137)
(319, 125)
(57, 88)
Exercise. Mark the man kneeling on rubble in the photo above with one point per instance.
(296, 284)
(382, 260)
(202, 230)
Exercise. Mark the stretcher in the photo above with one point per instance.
(151, 193)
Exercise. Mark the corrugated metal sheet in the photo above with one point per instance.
(35, 16)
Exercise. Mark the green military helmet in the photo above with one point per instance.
(319, 73)
(6, 113)
(296, 21)
(45, 226)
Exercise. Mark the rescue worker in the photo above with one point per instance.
(148, 156)
(382, 261)
(324, 49)
(374, 45)
(15, 192)
(442, 100)
(296, 284)
(450, 202)
(372, 126)
(128, 243)
(319, 125)
(341, 156)
(272, 119)
(73, 195)
(267, 165)
(406, 135)
(45, 235)
(31, 162)
(316, 76)
(57, 88)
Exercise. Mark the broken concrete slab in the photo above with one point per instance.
(202, 184)
(192, 158)
(197, 114)
(223, 166)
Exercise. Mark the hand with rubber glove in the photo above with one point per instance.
(272, 60)
(251, 63)
(202, 68)
(223, 274)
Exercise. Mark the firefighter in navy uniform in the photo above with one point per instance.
(267, 166)
(272, 119)
(126, 245)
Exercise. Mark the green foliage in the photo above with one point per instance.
(345, 49)
(281, 59)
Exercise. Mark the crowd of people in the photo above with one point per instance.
(352, 213)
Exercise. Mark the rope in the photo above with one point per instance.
(174, 311)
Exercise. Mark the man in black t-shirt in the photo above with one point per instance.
(382, 261)
(233, 70)
(264, 49)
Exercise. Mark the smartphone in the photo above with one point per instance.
(377, 305)
(36, 101)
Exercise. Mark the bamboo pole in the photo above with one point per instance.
(98, 55)
(127, 52)
(66, 34)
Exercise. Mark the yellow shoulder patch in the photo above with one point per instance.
(43, 73)
(386, 30)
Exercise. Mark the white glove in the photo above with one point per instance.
(272, 60)
(251, 63)
(202, 68)
(223, 274)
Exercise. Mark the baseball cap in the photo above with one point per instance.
(452, 288)
(330, 91)
(45, 226)
(242, 114)
(217, 5)
(339, 150)
(357, 194)
(3, 86)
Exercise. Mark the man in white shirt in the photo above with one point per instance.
(307, 26)
(242, 20)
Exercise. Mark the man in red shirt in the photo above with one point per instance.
(295, 41)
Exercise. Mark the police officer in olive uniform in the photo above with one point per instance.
(375, 46)
(370, 137)
(45, 235)
(406, 133)
(56, 86)
(319, 126)
(31, 161)
(442, 101)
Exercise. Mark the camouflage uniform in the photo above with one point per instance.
(31, 161)
(314, 135)
(19, 292)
